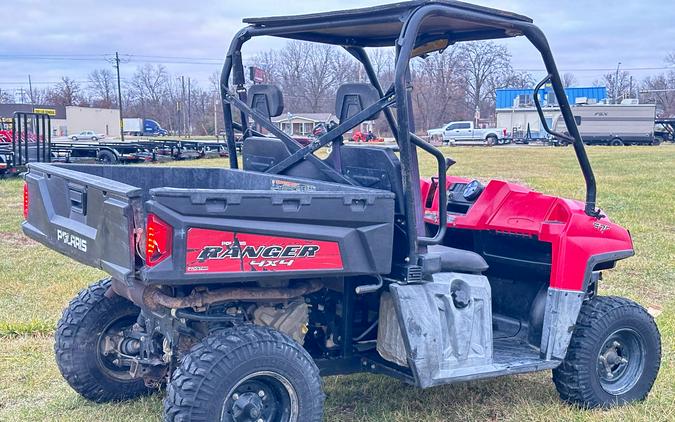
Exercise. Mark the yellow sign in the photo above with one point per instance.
(47, 111)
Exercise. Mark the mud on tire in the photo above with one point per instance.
(613, 357)
(248, 373)
(77, 347)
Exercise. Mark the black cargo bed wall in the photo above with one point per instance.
(146, 178)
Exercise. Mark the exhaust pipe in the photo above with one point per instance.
(153, 298)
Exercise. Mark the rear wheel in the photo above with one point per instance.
(81, 345)
(245, 374)
(616, 142)
(614, 355)
(107, 157)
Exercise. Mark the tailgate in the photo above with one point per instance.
(85, 217)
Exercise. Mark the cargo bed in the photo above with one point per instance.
(227, 225)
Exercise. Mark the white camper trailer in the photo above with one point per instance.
(616, 124)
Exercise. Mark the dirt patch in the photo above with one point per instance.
(16, 239)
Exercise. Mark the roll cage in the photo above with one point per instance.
(414, 28)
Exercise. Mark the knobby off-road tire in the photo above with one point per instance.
(613, 357)
(78, 345)
(246, 373)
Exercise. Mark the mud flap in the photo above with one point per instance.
(446, 327)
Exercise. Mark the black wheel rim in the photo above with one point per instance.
(261, 397)
(621, 361)
(109, 363)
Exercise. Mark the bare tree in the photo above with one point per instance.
(485, 65)
(660, 90)
(569, 79)
(149, 82)
(102, 87)
(6, 97)
(309, 74)
(439, 91)
(66, 93)
(38, 95)
(617, 88)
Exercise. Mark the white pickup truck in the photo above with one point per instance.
(464, 133)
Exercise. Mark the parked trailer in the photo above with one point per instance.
(31, 142)
(616, 124)
(665, 130)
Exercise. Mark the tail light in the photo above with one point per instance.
(25, 201)
(157, 241)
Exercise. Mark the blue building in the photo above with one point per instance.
(506, 98)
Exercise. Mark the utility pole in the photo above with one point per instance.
(182, 103)
(189, 107)
(215, 115)
(30, 90)
(119, 93)
(616, 84)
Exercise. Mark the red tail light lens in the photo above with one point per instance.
(25, 201)
(157, 241)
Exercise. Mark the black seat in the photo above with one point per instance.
(261, 154)
(374, 167)
(459, 260)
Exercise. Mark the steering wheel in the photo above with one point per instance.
(473, 190)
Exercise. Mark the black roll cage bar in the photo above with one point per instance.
(398, 96)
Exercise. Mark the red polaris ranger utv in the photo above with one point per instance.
(239, 289)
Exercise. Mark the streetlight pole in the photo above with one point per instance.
(616, 84)
(119, 93)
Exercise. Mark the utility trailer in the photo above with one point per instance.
(239, 289)
(30, 141)
(665, 129)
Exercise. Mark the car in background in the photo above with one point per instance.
(466, 133)
(87, 135)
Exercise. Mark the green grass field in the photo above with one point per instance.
(636, 189)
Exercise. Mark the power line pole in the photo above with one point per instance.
(189, 107)
(616, 85)
(119, 93)
(182, 104)
(215, 115)
(30, 90)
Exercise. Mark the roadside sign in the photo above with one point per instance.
(47, 111)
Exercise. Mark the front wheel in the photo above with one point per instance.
(82, 334)
(245, 374)
(616, 142)
(613, 357)
(490, 141)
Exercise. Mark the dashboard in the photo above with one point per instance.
(461, 196)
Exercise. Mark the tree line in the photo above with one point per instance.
(458, 83)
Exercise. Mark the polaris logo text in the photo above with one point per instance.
(229, 250)
(71, 240)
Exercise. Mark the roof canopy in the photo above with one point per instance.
(381, 25)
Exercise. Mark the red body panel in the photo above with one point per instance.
(214, 251)
(574, 236)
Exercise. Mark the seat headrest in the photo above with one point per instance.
(266, 99)
(351, 99)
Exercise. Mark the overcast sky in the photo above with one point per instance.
(588, 37)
